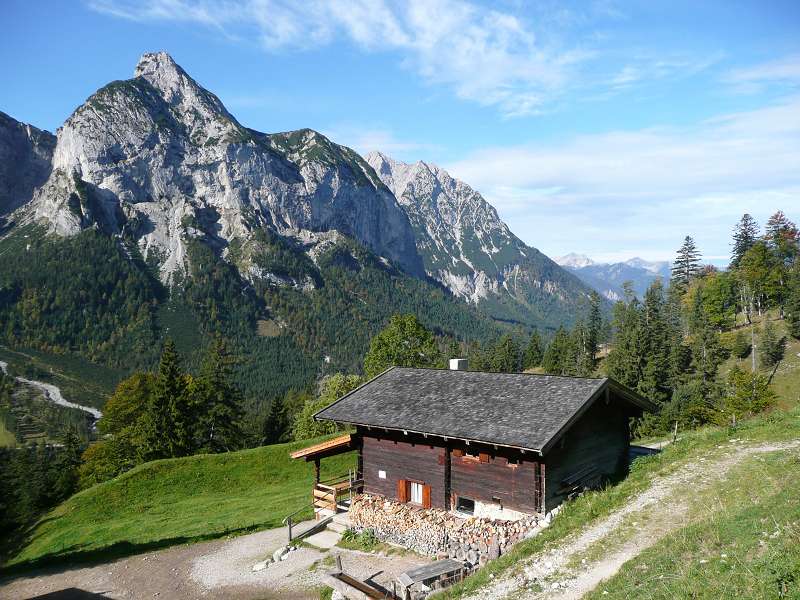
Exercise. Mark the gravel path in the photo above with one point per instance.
(550, 569)
(215, 570)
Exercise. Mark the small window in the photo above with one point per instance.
(381, 474)
(416, 492)
(465, 505)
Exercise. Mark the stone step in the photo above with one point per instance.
(342, 518)
(337, 527)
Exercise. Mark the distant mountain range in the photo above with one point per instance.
(608, 278)
(294, 246)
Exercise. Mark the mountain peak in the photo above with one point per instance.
(574, 260)
(157, 62)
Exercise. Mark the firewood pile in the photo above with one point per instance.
(439, 533)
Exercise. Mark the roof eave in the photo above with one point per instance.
(439, 435)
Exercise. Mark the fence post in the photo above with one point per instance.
(289, 523)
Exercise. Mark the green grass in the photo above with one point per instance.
(749, 546)
(174, 501)
(778, 425)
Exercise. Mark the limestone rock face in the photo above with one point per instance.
(25, 156)
(467, 247)
(158, 160)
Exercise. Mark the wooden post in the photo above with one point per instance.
(289, 523)
(316, 470)
(339, 563)
(675, 433)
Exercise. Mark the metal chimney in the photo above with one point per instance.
(458, 364)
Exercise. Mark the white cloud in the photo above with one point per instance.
(753, 79)
(366, 139)
(639, 192)
(483, 55)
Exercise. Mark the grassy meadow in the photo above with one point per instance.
(175, 501)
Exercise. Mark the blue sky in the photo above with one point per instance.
(607, 128)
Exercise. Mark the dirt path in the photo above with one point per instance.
(565, 573)
(217, 569)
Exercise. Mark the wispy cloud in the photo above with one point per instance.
(639, 192)
(754, 79)
(366, 139)
(484, 55)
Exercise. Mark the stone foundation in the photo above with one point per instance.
(439, 533)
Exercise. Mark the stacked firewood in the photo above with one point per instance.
(436, 532)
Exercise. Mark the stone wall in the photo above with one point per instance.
(439, 533)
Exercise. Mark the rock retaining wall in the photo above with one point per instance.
(439, 533)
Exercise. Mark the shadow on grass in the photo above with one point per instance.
(72, 557)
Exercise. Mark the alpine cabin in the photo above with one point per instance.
(492, 445)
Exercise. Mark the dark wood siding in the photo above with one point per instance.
(596, 445)
(411, 459)
(489, 477)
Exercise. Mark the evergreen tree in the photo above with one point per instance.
(557, 353)
(793, 307)
(624, 361)
(745, 395)
(218, 402)
(506, 356)
(745, 235)
(274, 424)
(687, 263)
(533, 353)
(160, 435)
(772, 346)
(783, 237)
(404, 342)
(741, 345)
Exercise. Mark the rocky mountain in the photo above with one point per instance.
(574, 260)
(153, 212)
(26, 154)
(159, 159)
(608, 278)
(467, 247)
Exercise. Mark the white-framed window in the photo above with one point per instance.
(416, 493)
(381, 474)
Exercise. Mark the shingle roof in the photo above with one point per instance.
(509, 409)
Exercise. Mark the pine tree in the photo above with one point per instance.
(745, 235)
(793, 307)
(772, 346)
(274, 423)
(220, 401)
(160, 435)
(624, 362)
(506, 356)
(557, 353)
(687, 263)
(533, 353)
(741, 345)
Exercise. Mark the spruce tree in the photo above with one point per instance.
(506, 356)
(745, 235)
(687, 263)
(793, 307)
(533, 353)
(160, 435)
(557, 353)
(220, 403)
(772, 346)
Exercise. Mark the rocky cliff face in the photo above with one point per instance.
(158, 160)
(25, 157)
(467, 247)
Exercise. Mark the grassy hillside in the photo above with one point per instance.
(175, 501)
(749, 544)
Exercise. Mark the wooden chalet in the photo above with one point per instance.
(486, 444)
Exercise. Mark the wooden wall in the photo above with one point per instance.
(416, 458)
(598, 441)
(402, 457)
(512, 485)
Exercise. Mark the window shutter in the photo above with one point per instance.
(402, 490)
(484, 456)
(426, 496)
